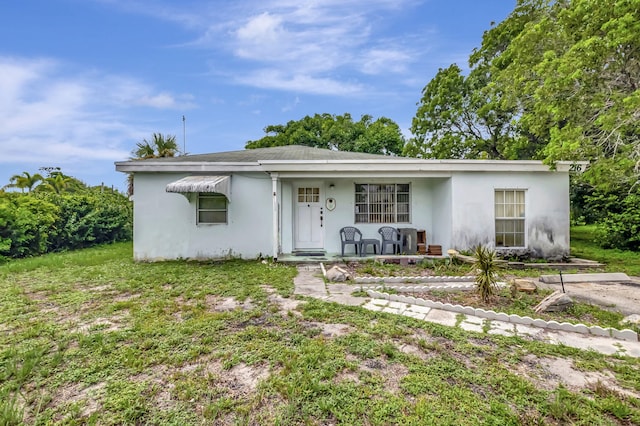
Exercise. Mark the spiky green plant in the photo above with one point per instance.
(486, 266)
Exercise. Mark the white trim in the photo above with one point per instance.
(275, 243)
(335, 167)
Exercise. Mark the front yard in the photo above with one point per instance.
(91, 337)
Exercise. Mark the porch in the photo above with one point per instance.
(296, 258)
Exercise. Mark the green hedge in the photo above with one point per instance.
(37, 223)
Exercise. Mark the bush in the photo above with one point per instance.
(25, 225)
(621, 229)
(32, 224)
(90, 218)
(486, 266)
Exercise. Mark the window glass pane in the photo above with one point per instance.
(520, 197)
(519, 226)
(212, 217)
(519, 240)
(509, 240)
(520, 210)
(499, 226)
(509, 197)
(509, 210)
(207, 203)
(499, 197)
(383, 203)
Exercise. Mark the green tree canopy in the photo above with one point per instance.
(339, 132)
(24, 181)
(159, 146)
(556, 80)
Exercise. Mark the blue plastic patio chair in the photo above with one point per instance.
(350, 235)
(390, 236)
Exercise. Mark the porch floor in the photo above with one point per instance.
(337, 258)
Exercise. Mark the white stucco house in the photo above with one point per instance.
(280, 200)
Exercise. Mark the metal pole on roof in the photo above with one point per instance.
(184, 135)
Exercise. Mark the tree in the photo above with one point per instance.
(159, 146)
(24, 181)
(338, 132)
(556, 80)
(57, 182)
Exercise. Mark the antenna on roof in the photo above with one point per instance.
(184, 135)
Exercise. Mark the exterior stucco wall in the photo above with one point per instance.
(441, 230)
(165, 223)
(546, 210)
(343, 192)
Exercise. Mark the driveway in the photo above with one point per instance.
(621, 297)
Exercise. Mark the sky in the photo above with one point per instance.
(82, 81)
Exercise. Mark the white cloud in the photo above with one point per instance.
(51, 115)
(274, 79)
(283, 43)
(377, 61)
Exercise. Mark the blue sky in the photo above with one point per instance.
(81, 81)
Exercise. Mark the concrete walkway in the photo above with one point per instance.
(309, 282)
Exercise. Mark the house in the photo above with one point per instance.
(275, 201)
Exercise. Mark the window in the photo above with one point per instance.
(308, 195)
(509, 204)
(212, 208)
(382, 203)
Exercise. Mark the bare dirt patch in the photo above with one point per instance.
(548, 373)
(88, 396)
(241, 380)
(113, 323)
(225, 304)
(285, 304)
(331, 330)
(409, 349)
(392, 374)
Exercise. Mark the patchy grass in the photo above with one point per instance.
(583, 245)
(91, 337)
(523, 304)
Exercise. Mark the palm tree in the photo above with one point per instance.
(24, 181)
(58, 183)
(159, 146)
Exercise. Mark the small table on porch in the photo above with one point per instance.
(369, 242)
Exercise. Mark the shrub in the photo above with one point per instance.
(25, 224)
(90, 218)
(486, 265)
(32, 224)
(621, 229)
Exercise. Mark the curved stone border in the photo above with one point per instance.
(419, 288)
(416, 279)
(626, 334)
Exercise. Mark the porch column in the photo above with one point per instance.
(276, 228)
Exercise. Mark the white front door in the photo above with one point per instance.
(309, 218)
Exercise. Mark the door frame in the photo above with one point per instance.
(320, 204)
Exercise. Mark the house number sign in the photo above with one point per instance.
(330, 203)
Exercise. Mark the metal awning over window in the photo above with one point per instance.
(216, 184)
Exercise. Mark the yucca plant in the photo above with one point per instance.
(486, 266)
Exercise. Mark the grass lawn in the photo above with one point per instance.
(90, 337)
(582, 245)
